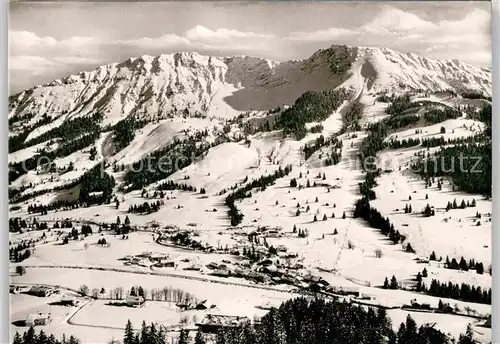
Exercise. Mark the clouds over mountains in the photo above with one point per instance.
(33, 56)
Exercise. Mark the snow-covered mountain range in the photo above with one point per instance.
(224, 87)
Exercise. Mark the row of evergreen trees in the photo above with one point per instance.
(300, 321)
(463, 204)
(154, 334)
(376, 220)
(462, 292)
(463, 265)
(440, 115)
(404, 143)
(30, 337)
(262, 183)
(473, 94)
(297, 321)
(432, 142)
(16, 224)
(171, 185)
(146, 207)
(43, 209)
(20, 252)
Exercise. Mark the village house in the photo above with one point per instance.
(38, 319)
(157, 257)
(134, 301)
(222, 271)
(213, 266)
(193, 267)
(212, 322)
(343, 290)
(40, 291)
(67, 300)
(166, 263)
(416, 305)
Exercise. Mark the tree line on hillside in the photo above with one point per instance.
(124, 131)
(468, 165)
(399, 105)
(351, 117)
(473, 94)
(262, 183)
(309, 107)
(318, 321)
(69, 129)
(43, 209)
(96, 186)
(333, 157)
(73, 135)
(171, 185)
(16, 142)
(461, 292)
(377, 220)
(434, 116)
(432, 142)
(163, 162)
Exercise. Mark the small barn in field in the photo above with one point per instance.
(38, 319)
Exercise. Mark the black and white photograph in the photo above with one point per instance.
(272, 172)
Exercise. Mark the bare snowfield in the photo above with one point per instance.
(458, 234)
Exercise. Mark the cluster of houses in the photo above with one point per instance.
(426, 307)
(39, 318)
(147, 259)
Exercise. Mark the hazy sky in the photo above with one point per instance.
(49, 40)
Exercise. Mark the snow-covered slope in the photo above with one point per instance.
(389, 70)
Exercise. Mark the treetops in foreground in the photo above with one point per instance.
(297, 321)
